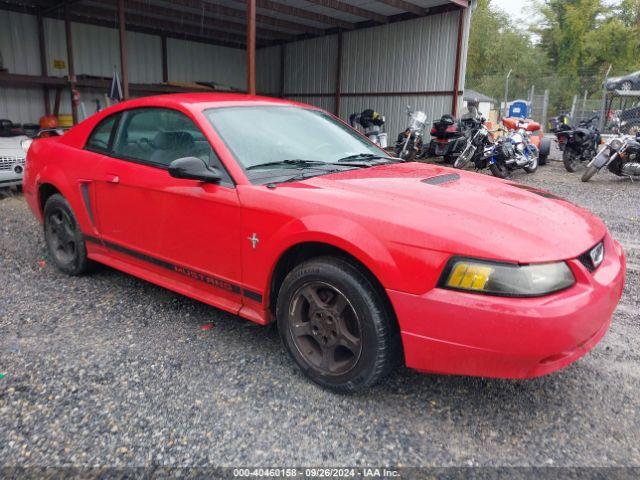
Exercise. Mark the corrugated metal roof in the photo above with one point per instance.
(288, 17)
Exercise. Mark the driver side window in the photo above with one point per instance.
(159, 136)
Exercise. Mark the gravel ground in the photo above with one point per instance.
(109, 370)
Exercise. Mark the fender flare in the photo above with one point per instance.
(343, 234)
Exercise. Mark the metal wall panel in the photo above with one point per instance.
(310, 65)
(191, 61)
(412, 56)
(96, 51)
(326, 103)
(20, 54)
(268, 70)
(19, 43)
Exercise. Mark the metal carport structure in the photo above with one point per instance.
(338, 54)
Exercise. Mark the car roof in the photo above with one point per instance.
(206, 100)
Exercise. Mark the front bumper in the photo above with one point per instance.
(457, 333)
(9, 178)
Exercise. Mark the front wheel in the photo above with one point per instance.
(63, 237)
(335, 325)
(499, 169)
(533, 166)
(570, 160)
(588, 175)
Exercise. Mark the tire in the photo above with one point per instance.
(626, 86)
(347, 351)
(588, 175)
(544, 150)
(534, 167)
(63, 237)
(632, 129)
(570, 160)
(499, 170)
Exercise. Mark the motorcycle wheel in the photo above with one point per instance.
(499, 170)
(533, 166)
(570, 160)
(410, 156)
(588, 175)
(543, 160)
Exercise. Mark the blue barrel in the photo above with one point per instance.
(519, 109)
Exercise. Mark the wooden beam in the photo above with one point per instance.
(43, 64)
(70, 66)
(53, 8)
(199, 20)
(122, 31)
(165, 61)
(220, 10)
(283, 68)
(460, 3)
(159, 25)
(351, 9)
(406, 7)
(336, 106)
(251, 47)
(306, 14)
(458, 66)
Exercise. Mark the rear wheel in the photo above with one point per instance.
(335, 325)
(570, 160)
(543, 159)
(63, 237)
(626, 86)
(588, 175)
(499, 169)
(533, 166)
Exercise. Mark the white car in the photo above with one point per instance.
(12, 158)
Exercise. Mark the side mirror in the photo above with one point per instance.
(193, 168)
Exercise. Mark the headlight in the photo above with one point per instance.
(505, 279)
(25, 144)
(616, 144)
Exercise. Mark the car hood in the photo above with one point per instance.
(462, 212)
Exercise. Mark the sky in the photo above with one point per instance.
(515, 8)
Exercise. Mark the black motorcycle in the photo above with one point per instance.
(578, 143)
(621, 156)
(449, 137)
(486, 152)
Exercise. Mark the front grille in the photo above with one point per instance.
(587, 261)
(7, 163)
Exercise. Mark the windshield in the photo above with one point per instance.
(273, 140)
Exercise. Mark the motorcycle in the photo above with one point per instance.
(449, 137)
(621, 156)
(371, 124)
(578, 144)
(409, 145)
(484, 151)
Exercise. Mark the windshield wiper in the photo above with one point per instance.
(367, 157)
(296, 162)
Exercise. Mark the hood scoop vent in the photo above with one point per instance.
(442, 179)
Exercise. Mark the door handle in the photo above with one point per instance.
(112, 178)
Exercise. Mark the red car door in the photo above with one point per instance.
(184, 230)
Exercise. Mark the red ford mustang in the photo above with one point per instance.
(278, 211)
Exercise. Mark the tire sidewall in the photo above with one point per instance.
(499, 171)
(79, 263)
(570, 160)
(369, 310)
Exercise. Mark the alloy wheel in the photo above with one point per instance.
(325, 328)
(61, 236)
